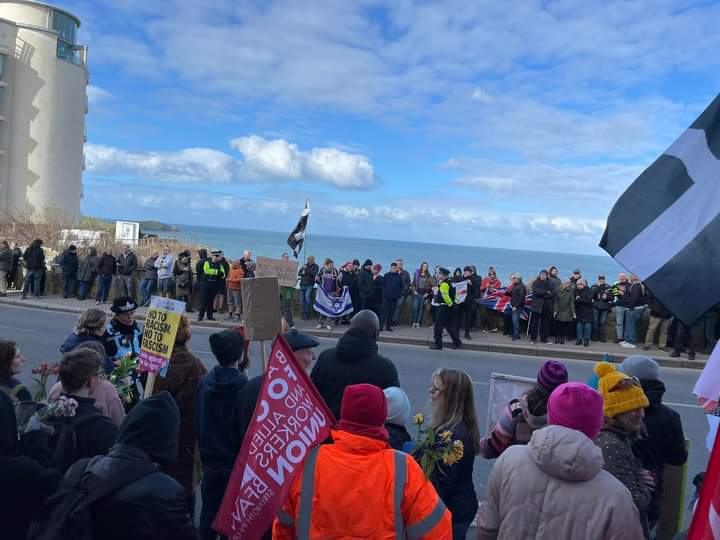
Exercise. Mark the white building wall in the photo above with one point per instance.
(44, 149)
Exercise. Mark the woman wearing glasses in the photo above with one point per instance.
(452, 402)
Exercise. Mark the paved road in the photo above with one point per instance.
(40, 333)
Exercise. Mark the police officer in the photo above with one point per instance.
(214, 272)
(444, 318)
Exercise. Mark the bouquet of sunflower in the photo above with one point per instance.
(433, 446)
(121, 377)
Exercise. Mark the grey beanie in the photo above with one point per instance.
(641, 366)
(398, 406)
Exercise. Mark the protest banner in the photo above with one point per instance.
(285, 271)
(261, 308)
(503, 388)
(290, 418)
(161, 324)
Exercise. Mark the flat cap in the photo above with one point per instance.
(298, 340)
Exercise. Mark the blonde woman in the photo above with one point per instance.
(452, 401)
(90, 326)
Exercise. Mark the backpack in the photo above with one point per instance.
(64, 445)
(67, 514)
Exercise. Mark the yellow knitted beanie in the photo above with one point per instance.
(618, 400)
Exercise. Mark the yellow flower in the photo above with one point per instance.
(458, 450)
(449, 458)
(419, 418)
(446, 435)
(459, 444)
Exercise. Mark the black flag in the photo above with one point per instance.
(666, 227)
(297, 236)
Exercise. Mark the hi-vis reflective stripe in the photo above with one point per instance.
(307, 492)
(424, 526)
(399, 494)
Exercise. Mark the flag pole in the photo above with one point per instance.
(307, 203)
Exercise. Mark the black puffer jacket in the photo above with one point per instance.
(583, 305)
(355, 360)
(517, 295)
(69, 263)
(665, 441)
(601, 296)
(25, 483)
(34, 256)
(543, 293)
(106, 265)
(153, 507)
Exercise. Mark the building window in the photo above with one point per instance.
(67, 33)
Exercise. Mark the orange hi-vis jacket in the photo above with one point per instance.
(358, 487)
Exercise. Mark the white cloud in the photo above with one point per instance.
(96, 95)
(283, 160)
(276, 160)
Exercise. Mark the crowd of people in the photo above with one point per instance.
(574, 460)
(556, 309)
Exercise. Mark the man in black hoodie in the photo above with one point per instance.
(34, 258)
(665, 440)
(153, 507)
(218, 441)
(355, 360)
(25, 483)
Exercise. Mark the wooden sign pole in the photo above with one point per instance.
(149, 385)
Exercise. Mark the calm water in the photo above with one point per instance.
(506, 261)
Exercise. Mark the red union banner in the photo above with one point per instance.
(290, 418)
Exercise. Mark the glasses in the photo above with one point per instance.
(435, 390)
(625, 384)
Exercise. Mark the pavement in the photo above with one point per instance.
(40, 330)
(481, 342)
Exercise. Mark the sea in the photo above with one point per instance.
(342, 249)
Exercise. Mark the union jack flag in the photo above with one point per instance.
(499, 301)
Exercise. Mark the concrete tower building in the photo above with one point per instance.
(43, 103)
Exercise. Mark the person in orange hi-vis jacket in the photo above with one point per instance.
(359, 487)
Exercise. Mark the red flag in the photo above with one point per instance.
(706, 519)
(290, 418)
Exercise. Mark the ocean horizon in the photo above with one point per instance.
(342, 249)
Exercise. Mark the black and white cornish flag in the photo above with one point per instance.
(297, 236)
(666, 227)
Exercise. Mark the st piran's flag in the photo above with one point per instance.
(666, 227)
(297, 236)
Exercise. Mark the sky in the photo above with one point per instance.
(500, 124)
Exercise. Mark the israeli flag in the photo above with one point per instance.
(333, 306)
(666, 227)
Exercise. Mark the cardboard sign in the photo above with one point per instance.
(503, 388)
(290, 418)
(161, 324)
(285, 271)
(261, 307)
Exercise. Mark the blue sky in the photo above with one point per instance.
(502, 124)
